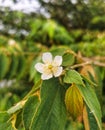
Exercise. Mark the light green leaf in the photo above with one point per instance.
(6, 126)
(17, 107)
(51, 114)
(73, 76)
(49, 27)
(92, 102)
(29, 110)
(68, 59)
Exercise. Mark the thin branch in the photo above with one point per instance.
(99, 58)
(81, 64)
(87, 63)
(99, 63)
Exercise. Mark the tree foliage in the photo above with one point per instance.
(49, 104)
(75, 99)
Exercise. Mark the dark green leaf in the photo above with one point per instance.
(92, 102)
(4, 116)
(51, 114)
(92, 121)
(3, 65)
(13, 67)
(5, 123)
(29, 110)
(21, 66)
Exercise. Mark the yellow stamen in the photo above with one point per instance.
(50, 67)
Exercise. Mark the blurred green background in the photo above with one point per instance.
(30, 27)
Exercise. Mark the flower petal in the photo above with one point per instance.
(57, 71)
(47, 57)
(46, 76)
(57, 60)
(39, 67)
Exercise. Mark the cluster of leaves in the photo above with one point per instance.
(12, 63)
(78, 14)
(49, 33)
(90, 43)
(56, 103)
(64, 103)
(18, 26)
(14, 71)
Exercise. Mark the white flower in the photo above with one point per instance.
(50, 67)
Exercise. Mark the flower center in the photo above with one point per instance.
(50, 67)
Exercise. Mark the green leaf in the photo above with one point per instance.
(13, 67)
(49, 28)
(51, 114)
(34, 75)
(21, 66)
(74, 101)
(73, 76)
(58, 50)
(92, 102)
(92, 121)
(4, 116)
(4, 63)
(29, 110)
(75, 126)
(5, 124)
(17, 107)
(68, 59)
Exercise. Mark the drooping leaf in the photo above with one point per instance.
(13, 67)
(74, 101)
(29, 110)
(51, 114)
(73, 76)
(49, 27)
(92, 102)
(21, 66)
(100, 84)
(4, 63)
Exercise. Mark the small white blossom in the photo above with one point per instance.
(50, 67)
